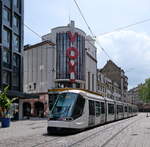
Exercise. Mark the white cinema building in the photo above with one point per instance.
(66, 57)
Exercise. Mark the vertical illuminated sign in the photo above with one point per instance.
(72, 54)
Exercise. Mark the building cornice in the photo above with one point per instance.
(38, 44)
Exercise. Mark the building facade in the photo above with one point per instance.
(116, 75)
(66, 57)
(75, 54)
(133, 97)
(11, 47)
(107, 87)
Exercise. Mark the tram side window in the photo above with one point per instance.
(91, 107)
(98, 108)
(130, 109)
(52, 99)
(119, 108)
(102, 108)
(111, 108)
(125, 108)
(79, 107)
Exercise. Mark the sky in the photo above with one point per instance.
(128, 48)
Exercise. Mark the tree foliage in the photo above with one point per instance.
(144, 91)
(5, 101)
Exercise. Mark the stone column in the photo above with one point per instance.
(20, 109)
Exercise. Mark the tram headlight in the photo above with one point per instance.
(66, 119)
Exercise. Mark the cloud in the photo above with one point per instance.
(130, 50)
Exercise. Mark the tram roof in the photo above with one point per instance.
(58, 90)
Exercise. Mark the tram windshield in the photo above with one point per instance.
(68, 106)
(64, 105)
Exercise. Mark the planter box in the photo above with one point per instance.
(5, 122)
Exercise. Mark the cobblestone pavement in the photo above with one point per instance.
(131, 132)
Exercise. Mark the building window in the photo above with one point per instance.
(16, 60)
(16, 43)
(16, 3)
(16, 21)
(6, 15)
(15, 74)
(15, 79)
(6, 77)
(6, 38)
(6, 57)
(34, 84)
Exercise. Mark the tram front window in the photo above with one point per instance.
(64, 105)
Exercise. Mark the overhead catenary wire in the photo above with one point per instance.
(93, 35)
(37, 34)
(125, 27)
(84, 19)
(105, 33)
(29, 28)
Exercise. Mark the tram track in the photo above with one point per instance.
(100, 131)
(82, 140)
(59, 139)
(47, 141)
(117, 133)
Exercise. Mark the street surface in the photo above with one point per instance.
(131, 132)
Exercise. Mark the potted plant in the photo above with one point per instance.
(5, 104)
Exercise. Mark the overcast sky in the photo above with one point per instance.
(129, 48)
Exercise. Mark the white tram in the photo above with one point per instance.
(76, 109)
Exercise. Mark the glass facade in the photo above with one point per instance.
(62, 44)
(7, 15)
(6, 37)
(11, 44)
(16, 43)
(6, 57)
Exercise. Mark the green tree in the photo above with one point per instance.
(5, 102)
(144, 91)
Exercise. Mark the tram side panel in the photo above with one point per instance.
(125, 110)
(110, 111)
(119, 111)
(82, 121)
(97, 112)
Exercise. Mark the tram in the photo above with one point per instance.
(78, 109)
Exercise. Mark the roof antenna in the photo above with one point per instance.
(69, 12)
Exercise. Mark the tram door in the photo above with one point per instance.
(91, 113)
